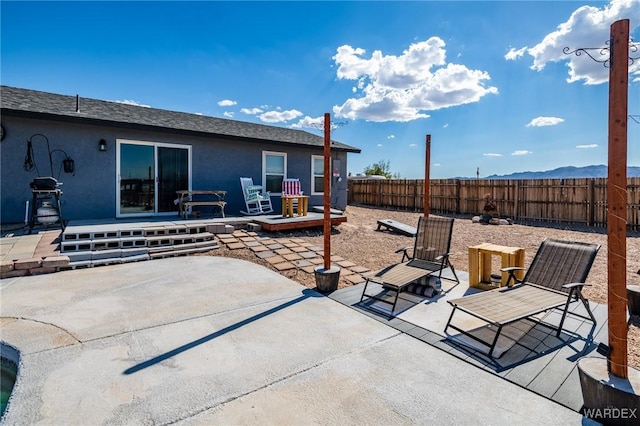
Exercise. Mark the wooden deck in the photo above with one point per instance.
(539, 362)
(271, 223)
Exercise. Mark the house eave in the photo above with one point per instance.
(83, 119)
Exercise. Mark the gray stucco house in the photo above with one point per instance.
(129, 161)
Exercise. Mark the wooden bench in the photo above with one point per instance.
(188, 199)
(399, 227)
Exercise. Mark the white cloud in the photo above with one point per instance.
(402, 88)
(491, 154)
(545, 121)
(316, 123)
(588, 26)
(436, 165)
(514, 54)
(227, 102)
(251, 111)
(589, 146)
(308, 122)
(135, 103)
(445, 125)
(521, 152)
(228, 114)
(391, 137)
(279, 116)
(379, 145)
(413, 145)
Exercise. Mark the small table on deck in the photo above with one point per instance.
(480, 264)
(287, 205)
(186, 200)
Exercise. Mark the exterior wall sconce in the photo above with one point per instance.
(102, 145)
(68, 165)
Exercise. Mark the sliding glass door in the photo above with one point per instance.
(149, 174)
(173, 175)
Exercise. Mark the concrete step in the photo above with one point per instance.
(184, 249)
(107, 233)
(115, 256)
(111, 245)
(101, 244)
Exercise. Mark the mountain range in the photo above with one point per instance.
(567, 172)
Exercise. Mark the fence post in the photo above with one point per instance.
(516, 201)
(592, 202)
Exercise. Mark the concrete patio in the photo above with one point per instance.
(202, 339)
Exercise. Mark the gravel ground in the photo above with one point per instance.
(358, 240)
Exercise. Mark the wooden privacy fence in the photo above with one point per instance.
(581, 200)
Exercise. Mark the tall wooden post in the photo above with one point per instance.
(427, 180)
(617, 197)
(327, 191)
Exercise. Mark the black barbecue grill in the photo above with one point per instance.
(46, 208)
(44, 184)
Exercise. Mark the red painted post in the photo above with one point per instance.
(327, 191)
(617, 198)
(427, 180)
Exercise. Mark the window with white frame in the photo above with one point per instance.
(317, 174)
(274, 170)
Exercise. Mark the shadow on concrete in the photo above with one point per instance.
(538, 342)
(306, 294)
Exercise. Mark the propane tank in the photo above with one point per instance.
(47, 213)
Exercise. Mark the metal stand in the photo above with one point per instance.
(39, 196)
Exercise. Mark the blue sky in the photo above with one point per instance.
(487, 80)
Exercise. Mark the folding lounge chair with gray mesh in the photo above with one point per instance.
(555, 278)
(431, 246)
(430, 257)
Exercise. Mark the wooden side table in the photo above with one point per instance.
(480, 264)
(287, 205)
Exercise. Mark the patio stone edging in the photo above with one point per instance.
(285, 254)
(32, 266)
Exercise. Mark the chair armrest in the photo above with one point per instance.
(574, 285)
(512, 274)
(575, 289)
(405, 253)
(513, 269)
(442, 256)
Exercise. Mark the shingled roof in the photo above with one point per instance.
(33, 103)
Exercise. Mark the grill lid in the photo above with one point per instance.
(44, 183)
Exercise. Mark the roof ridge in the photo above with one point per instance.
(34, 102)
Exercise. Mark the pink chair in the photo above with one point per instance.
(291, 187)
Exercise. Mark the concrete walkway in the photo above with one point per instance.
(214, 340)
